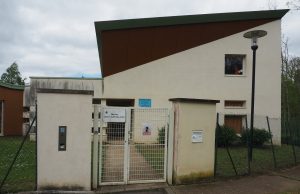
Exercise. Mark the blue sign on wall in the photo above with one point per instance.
(144, 102)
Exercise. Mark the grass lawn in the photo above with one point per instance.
(153, 154)
(22, 176)
(262, 159)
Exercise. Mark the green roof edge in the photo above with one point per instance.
(188, 19)
(12, 86)
(76, 78)
(182, 20)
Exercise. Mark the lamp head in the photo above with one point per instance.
(254, 35)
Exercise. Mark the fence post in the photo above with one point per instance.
(17, 154)
(36, 144)
(216, 145)
(274, 158)
(228, 152)
(293, 143)
(286, 133)
(95, 148)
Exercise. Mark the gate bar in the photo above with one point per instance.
(126, 146)
(166, 146)
(100, 146)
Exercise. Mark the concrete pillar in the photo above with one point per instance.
(194, 139)
(65, 166)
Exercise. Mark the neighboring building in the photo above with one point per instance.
(65, 83)
(11, 109)
(151, 60)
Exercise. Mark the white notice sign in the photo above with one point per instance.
(197, 136)
(114, 115)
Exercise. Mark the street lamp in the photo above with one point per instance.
(253, 35)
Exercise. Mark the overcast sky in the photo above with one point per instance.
(57, 37)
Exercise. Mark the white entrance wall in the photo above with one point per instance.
(199, 73)
(70, 169)
(194, 139)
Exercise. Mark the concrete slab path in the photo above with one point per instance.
(279, 182)
(113, 164)
(276, 182)
(139, 168)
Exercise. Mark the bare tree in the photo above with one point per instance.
(294, 4)
(284, 64)
(290, 80)
(272, 4)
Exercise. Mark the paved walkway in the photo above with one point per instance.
(277, 182)
(140, 169)
(113, 166)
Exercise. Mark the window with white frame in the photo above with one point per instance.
(234, 64)
(1, 116)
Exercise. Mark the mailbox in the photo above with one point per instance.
(62, 138)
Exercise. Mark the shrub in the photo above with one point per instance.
(226, 135)
(260, 136)
(161, 135)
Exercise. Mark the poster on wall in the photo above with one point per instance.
(146, 130)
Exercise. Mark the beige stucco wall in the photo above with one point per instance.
(64, 169)
(199, 73)
(193, 161)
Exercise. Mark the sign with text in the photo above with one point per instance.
(145, 103)
(197, 136)
(114, 115)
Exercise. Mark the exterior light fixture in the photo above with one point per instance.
(253, 35)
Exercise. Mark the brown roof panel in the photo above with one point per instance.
(139, 41)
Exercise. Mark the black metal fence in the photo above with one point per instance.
(232, 152)
(17, 164)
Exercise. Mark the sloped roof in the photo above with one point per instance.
(72, 78)
(11, 86)
(188, 19)
(125, 44)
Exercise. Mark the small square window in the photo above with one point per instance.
(234, 64)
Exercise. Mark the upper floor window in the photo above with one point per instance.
(234, 64)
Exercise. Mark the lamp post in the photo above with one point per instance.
(253, 35)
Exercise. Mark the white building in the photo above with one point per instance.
(145, 62)
(198, 56)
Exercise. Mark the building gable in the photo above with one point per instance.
(127, 44)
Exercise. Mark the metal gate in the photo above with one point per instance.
(133, 145)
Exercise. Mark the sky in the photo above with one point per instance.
(57, 37)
